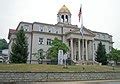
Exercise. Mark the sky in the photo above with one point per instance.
(98, 15)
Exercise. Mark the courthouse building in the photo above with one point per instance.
(40, 36)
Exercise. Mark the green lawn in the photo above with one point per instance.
(54, 68)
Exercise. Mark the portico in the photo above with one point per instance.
(81, 48)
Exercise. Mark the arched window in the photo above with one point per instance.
(62, 17)
(66, 18)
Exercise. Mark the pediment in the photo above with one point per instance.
(85, 32)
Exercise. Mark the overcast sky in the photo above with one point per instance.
(98, 15)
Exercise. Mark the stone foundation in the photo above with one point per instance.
(57, 76)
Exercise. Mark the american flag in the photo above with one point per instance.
(80, 18)
(80, 12)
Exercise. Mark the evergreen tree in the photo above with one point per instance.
(101, 56)
(19, 49)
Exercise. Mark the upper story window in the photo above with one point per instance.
(98, 35)
(94, 46)
(25, 27)
(49, 41)
(110, 38)
(40, 41)
(103, 36)
(49, 30)
(110, 48)
(104, 46)
(41, 29)
(56, 32)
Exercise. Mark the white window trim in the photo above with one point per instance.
(26, 27)
(48, 42)
(41, 28)
(40, 42)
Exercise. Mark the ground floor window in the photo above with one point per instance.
(49, 41)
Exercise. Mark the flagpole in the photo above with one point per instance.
(82, 24)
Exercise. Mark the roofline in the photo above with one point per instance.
(102, 33)
(60, 24)
(21, 23)
(47, 33)
(9, 34)
(104, 40)
(78, 34)
(43, 23)
(73, 26)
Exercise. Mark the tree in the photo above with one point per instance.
(101, 56)
(39, 55)
(3, 44)
(55, 47)
(19, 48)
(114, 55)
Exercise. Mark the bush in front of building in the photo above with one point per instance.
(56, 45)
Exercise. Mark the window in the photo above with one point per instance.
(98, 35)
(25, 27)
(49, 41)
(62, 18)
(66, 17)
(103, 36)
(41, 41)
(110, 48)
(94, 47)
(104, 46)
(49, 30)
(56, 32)
(40, 29)
(40, 51)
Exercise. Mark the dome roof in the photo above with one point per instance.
(64, 9)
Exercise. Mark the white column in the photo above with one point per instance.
(93, 50)
(71, 46)
(74, 48)
(86, 49)
(82, 49)
(79, 56)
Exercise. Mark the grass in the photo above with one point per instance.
(55, 68)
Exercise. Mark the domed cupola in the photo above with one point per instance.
(64, 15)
